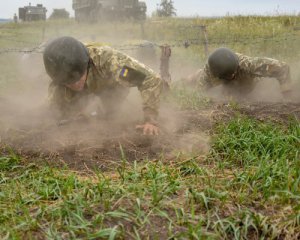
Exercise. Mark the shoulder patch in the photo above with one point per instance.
(132, 75)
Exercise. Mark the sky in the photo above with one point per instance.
(184, 7)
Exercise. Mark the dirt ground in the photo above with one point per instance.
(95, 144)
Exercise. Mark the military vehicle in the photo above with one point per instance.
(95, 10)
(32, 13)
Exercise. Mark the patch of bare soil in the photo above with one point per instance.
(277, 112)
(100, 145)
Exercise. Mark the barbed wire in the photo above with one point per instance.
(179, 43)
(9, 39)
(18, 50)
(200, 42)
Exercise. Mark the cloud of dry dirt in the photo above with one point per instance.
(27, 123)
(24, 109)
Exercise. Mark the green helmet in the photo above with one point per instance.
(65, 60)
(223, 63)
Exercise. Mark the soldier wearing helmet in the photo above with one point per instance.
(239, 73)
(78, 70)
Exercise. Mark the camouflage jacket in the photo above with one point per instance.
(250, 70)
(110, 70)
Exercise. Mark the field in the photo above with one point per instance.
(220, 169)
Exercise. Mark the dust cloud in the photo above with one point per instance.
(28, 125)
(265, 90)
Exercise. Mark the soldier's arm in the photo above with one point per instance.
(201, 79)
(150, 89)
(129, 72)
(194, 78)
(63, 102)
(206, 80)
(268, 67)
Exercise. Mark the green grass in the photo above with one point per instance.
(187, 98)
(248, 187)
(269, 155)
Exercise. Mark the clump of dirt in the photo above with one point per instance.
(100, 145)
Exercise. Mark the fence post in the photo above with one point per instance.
(43, 33)
(142, 30)
(57, 31)
(165, 65)
(204, 33)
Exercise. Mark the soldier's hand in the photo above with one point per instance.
(148, 129)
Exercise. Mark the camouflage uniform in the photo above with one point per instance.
(110, 74)
(249, 71)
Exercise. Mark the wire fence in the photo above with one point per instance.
(202, 40)
(181, 43)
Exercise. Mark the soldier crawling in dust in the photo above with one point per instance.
(78, 70)
(239, 73)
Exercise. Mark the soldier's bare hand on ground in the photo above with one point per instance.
(148, 129)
